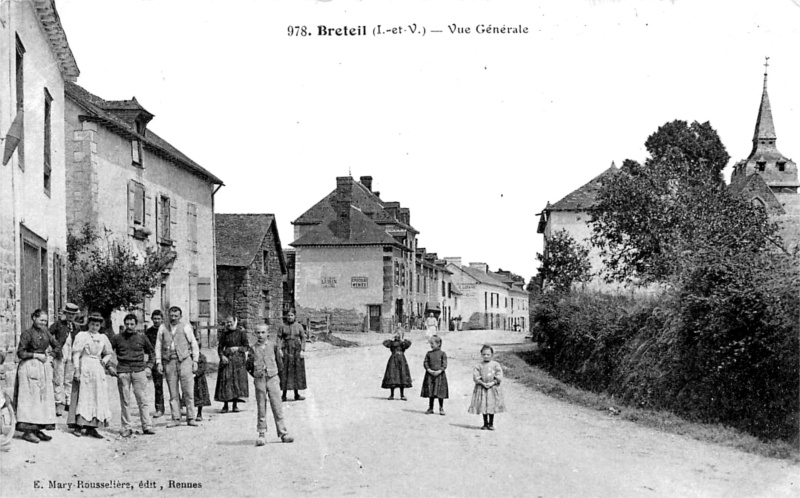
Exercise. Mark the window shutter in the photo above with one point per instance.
(159, 219)
(148, 209)
(131, 205)
(191, 217)
(173, 220)
(204, 297)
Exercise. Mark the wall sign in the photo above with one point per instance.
(359, 282)
(329, 281)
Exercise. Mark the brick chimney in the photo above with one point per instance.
(367, 182)
(455, 260)
(480, 266)
(342, 201)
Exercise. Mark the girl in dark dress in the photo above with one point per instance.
(397, 373)
(232, 382)
(292, 342)
(34, 396)
(201, 397)
(435, 383)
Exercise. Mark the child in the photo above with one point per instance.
(397, 373)
(264, 363)
(435, 383)
(201, 397)
(487, 398)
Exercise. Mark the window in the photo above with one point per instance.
(761, 165)
(136, 206)
(58, 288)
(47, 168)
(781, 165)
(191, 218)
(164, 219)
(136, 152)
(265, 262)
(20, 91)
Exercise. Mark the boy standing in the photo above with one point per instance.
(158, 379)
(130, 348)
(263, 363)
(64, 330)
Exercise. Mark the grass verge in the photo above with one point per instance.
(518, 366)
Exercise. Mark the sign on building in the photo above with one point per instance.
(329, 281)
(359, 282)
(468, 290)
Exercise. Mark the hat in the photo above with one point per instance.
(71, 308)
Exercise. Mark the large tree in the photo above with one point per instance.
(564, 262)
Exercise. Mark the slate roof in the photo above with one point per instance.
(584, 198)
(369, 203)
(239, 238)
(99, 110)
(765, 128)
(363, 232)
(755, 186)
(482, 277)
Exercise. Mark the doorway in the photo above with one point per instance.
(374, 317)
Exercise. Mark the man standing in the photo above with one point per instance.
(130, 348)
(177, 354)
(64, 330)
(158, 379)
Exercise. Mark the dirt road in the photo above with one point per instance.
(350, 440)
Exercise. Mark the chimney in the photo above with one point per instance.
(405, 215)
(342, 201)
(455, 260)
(392, 208)
(367, 182)
(480, 266)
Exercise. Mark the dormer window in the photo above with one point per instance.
(781, 165)
(761, 165)
(136, 152)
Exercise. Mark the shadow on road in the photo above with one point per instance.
(465, 426)
(244, 442)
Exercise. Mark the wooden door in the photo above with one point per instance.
(375, 317)
(31, 283)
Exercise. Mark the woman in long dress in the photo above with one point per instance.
(34, 397)
(431, 326)
(89, 407)
(232, 382)
(292, 342)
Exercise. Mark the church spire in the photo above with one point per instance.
(765, 128)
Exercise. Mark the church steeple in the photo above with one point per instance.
(765, 129)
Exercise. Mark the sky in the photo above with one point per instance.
(473, 132)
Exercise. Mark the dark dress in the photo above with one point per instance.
(201, 397)
(397, 373)
(232, 383)
(435, 387)
(34, 397)
(292, 337)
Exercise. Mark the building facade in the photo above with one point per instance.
(251, 269)
(124, 178)
(35, 63)
(354, 259)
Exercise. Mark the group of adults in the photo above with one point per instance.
(64, 368)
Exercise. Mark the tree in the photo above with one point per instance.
(105, 274)
(649, 217)
(563, 263)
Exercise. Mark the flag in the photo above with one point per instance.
(13, 137)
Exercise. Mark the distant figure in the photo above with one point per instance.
(397, 374)
(264, 364)
(431, 326)
(487, 398)
(292, 341)
(435, 383)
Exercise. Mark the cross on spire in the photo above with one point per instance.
(766, 66)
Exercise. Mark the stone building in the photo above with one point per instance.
(571, 213)
(355, 259)
(769, 179)
(489, 300)
(35, 63)
(123, 177)
(251, 269)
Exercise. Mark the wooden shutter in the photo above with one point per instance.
(204, 297)
(191, 218)
(131, 205)
(173, 220)
(159, 220)
(148, 210)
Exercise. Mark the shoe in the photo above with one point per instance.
(126, 433)
(224, 409)
(199, 418)
(491, 427)
(403, 398)
(43, 437)
(148, 431)
(441, 411)
(31, 437)
(429, 412)
(236, 410)
(77, 432)
(59, 409)
(283, 398)
(287, 439)
(173, 423)
(92, 432)
(192, 422)
(158, 413)
(299, 398)
(485, 428)
(391, 398)
(261, 441)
